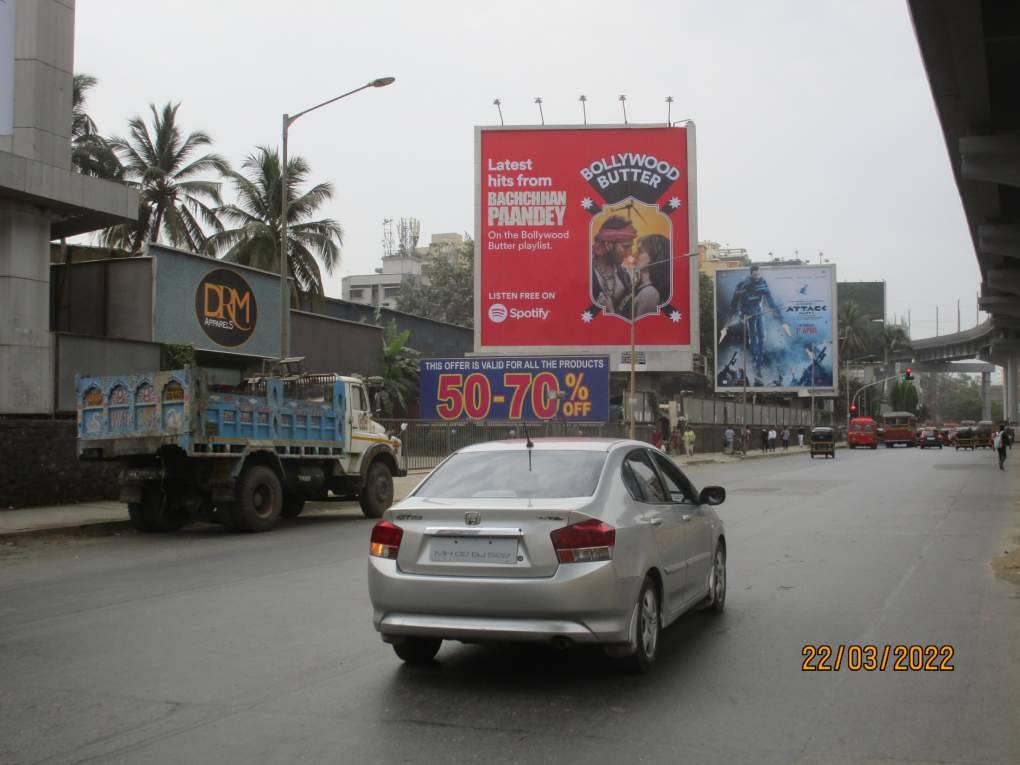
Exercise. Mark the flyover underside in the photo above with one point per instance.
(971, 52)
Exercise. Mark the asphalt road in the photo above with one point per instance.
(210, 647)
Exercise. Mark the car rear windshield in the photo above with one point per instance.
(542, 473)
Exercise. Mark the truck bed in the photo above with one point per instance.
(139, 414)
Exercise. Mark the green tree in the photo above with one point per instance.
(91, 154)
(174, 202)
(254, 239)
(853, 330)
(903, 397)
(400, 371)
(445, 290)
(959, 397)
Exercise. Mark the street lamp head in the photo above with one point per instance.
(382, 82)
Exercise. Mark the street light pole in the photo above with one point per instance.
(285, 207)
(632, 396)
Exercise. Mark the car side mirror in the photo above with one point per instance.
(712, 495)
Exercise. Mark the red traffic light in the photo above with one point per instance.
(853, 408)
(909, 371)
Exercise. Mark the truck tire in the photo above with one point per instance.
(259, 500)
(154, 513)
(377, 492)
(293, 504)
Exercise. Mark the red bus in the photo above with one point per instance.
(863, 432)
(899, 428)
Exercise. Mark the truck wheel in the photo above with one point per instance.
(259, 499)
(377, 492)
(293, 504)
(154, 513)
(136, 512)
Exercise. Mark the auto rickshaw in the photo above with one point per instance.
(966, 438)
(823, 442)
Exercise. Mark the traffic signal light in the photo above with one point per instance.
(853, 409)
(908, 376)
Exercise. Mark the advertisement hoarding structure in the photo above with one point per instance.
(515, 388)
(779, 316)
(564, 214)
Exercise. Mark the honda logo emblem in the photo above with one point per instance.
(472, 519)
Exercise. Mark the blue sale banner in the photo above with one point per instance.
(563, 388)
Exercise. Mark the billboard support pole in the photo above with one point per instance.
(633, 343)
(743, 414)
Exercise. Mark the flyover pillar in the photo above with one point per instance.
(1010, 387)
(986, 401)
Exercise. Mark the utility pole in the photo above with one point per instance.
(936, 321)
(958, 314)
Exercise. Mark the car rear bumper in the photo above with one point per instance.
(584, 603)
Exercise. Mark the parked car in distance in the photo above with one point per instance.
(863, 432)
(930, 437)
(562, 541)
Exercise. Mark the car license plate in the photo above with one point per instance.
(473, 550)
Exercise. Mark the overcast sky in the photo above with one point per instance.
(816, 127)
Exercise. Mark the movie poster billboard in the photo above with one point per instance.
(783, 318)
(583, 231)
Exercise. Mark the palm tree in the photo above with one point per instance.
(853, 325)
(91, 154)
(255, 238)
(174, 202)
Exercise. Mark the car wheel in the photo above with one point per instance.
(717, 593)
(417, 650)
(647, 629)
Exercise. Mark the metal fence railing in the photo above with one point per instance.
(426, 442)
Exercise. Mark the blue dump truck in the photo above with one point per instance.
(241, 455)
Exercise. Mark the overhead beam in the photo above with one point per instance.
(1002, 239)
(991, 159)
(1006, 322)
(1003, 279)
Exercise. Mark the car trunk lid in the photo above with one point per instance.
(506, 538)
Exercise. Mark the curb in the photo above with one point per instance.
(97, 528)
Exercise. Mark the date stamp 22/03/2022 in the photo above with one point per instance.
(863, 657)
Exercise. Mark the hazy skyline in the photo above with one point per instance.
(815, 122)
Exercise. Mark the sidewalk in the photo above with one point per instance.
(101, 517)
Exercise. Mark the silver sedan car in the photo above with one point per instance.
(564, 541)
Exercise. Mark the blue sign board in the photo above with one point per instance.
(560, 388)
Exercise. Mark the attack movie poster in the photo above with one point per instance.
(783, 317)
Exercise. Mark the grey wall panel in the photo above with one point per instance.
(76, 354)
(329, 345)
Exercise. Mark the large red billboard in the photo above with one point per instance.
(582, 231)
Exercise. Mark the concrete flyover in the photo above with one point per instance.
(971, 52)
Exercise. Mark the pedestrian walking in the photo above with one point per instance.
(728, 440)
(786, 439)
(1000, 445)
(800, 437)
(689, 441)
(746, 443)
(772, 439)
(764, 439)
(657, 438)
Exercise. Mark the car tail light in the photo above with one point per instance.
(385, 540)
(584, 542)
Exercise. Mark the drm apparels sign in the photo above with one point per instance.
(215, 306)
(226, 307)
(582, 232)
